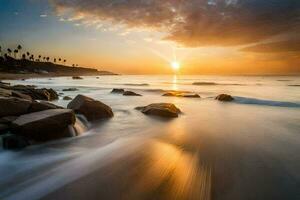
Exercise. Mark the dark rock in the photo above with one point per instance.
(37, 94)
(42, 105)
(90, 108)
(67, 98)
(118, 90)
(4, 128)
(8, 120)
(45, 125)
(130, 93)
(191, 95)
(12, 106)
(5, 92)
(224, 97)
(160, 109)
(21, 95)
(14, 142)
(76, 77)
(70, 89)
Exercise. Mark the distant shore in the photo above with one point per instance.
(11, 68)
(14, 76)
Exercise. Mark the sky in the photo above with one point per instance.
(146, 36)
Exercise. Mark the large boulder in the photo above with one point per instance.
(42, 105)
(130, 93)
(20, 95)
(224, 97)
(90, 108)
(160, 109)
(45, 125)
(13, 106)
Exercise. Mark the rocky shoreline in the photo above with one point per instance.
(27, 115)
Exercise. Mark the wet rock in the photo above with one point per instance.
(5, 92)
(67, 98)
(76, 77)
(90, 108)
(12, 106)
(130, 93)
(224, 97)
(37, 94)
(4, 128)
(42, 105)
(14, 142)
(45, 125)
(70, 89)
(8, 119)
(118, 90)
(21, 95)
(160, 109)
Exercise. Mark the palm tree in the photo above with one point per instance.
(28, 54)
(47, 59)
(9, 51)
(39, 57)
(44, 58)
(65, 61)
(15, 53)
(59, 59)
(54, 60)
(32, 57)
(19, 48)
(23, 56)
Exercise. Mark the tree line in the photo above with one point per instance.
(18, 54)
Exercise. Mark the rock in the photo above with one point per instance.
(224, 97)
(70, 89)
(42, 105)
(14, 142)
(191, 95)
(67, 98)
(97, 77)
(37, 94)
(118, 90)
(76, 77)
(12, 106)
(130, 93)
(180, 94)
(44, 125)
(4, 128)
(90, 108)
(160, 109)
(21, 95)
(5, 92)
(8, 120)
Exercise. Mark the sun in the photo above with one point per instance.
(175, 65)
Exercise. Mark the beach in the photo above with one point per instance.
(244, 149)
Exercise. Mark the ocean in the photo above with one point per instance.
(244, 149)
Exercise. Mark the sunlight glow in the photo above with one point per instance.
(175, 65)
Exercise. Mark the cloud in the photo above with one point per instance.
(193, 22)
(275, 47)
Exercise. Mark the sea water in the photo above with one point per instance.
(245, 149)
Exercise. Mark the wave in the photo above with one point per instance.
(284, 80)
(136, 84)
(295, 85)
(214, 83)
(253, 101)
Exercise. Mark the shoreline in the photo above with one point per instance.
(13, 76)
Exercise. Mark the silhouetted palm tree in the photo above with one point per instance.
(23, 56)
(19, 48)
(54, 60)
(65, 61)
(15, 53)
(9, 51)
(47, 59)
(59, 59)
(28, 54)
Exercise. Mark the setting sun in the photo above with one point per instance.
(175, 65)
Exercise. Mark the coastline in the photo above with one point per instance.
(15, 76)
